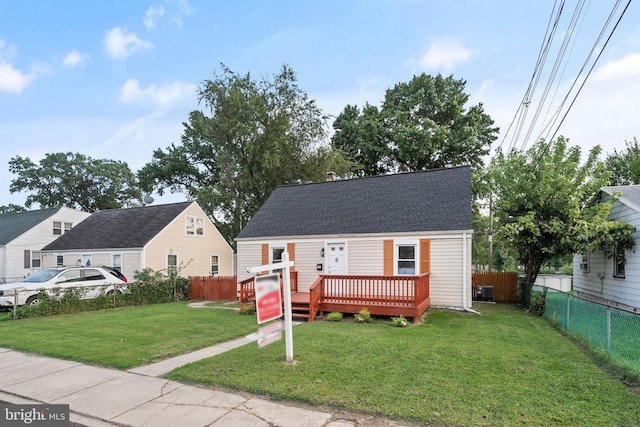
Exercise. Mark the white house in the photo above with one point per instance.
(391, 225)
(613, 278)
(24, 234)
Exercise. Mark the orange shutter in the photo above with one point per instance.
(265, 253)
(388, 257)
(291, 248)
(425, 256)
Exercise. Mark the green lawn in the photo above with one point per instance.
(126, 337)
(503, 368)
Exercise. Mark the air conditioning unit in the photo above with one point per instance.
(484, 293)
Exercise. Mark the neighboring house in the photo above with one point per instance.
(24, 234)
(391, 225)
(613, 278)
(175, 237)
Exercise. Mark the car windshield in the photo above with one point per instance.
(42, 276)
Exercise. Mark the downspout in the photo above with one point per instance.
(465, 277)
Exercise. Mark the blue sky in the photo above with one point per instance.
(115, 80)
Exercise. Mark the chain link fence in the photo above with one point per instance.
(606, 329)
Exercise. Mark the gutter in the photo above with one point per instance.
(465, 277)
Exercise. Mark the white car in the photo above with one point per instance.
(97, 280)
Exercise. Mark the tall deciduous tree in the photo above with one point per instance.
(255, 136)
(75, 181)
(625, 165)
(548, 204)
(422, 124)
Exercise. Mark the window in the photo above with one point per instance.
(69, 276)
(117, 262)
(86, 260)
(172, 264)
(59, 261)
(618, 262)
(407, 259)
(215, 265)
(58, 227)
(35, 259)
(93, 274)
(584, 262)
(194, 226)
(276, 256)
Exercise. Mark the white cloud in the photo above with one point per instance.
(444, 54)
(150, 18)
(75, 58)
(160, 96)
(7, 51)
(627, 66)
(184, 9)
(120, 44)
(13, 80)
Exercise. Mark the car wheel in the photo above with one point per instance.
(33, 300)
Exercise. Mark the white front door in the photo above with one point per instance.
(336, 258)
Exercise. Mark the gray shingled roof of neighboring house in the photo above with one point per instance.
(433, 200)
(119, 228)
(630, 194)
(12, 225)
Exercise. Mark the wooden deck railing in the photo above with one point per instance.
(247, 289)
(384, 295)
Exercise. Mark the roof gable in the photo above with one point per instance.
(12, 225)
(630, 195)
(433, 200)
(119, 228)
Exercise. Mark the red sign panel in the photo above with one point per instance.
(268, 298)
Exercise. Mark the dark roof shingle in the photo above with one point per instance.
(433, 200)
(119, 228)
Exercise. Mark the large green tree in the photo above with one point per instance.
(422, 124)
(76, 181)
(253, 136)
(548, 205)
(625, 164)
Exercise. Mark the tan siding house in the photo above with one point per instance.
(175, 237)
(392, 225)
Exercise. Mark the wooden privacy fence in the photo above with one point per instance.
(505, 284)
(213, 288)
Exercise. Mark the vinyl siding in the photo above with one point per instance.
(34, 240)
(365, 256)
(130, 260)
(193, 252)
(615, 290)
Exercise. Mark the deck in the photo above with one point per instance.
(381, 295)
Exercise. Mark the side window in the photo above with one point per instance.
(35, 259)
(194, 226)
(584, 262)
(57, 228)
(215, 265)
(276, 256)
(92, 274)
(69, 276)
(618, 263)
(406, 259)
(172, 264)
(117, 262)
(59, 260)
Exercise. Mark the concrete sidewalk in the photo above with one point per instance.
(101, 397)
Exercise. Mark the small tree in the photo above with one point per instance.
(548, 204)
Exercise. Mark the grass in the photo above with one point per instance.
(126, 337)
(503, 368)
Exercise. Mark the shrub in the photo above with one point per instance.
(399, 322)
(334, 316)
(363, 316)
(248, 309)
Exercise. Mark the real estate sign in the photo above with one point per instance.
(268, 298)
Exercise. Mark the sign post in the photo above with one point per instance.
(285, 265)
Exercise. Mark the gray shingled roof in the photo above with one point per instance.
(433, 200)
(630, 194)
(12, 225)
(118, 228)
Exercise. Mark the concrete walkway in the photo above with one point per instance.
(100, 397)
